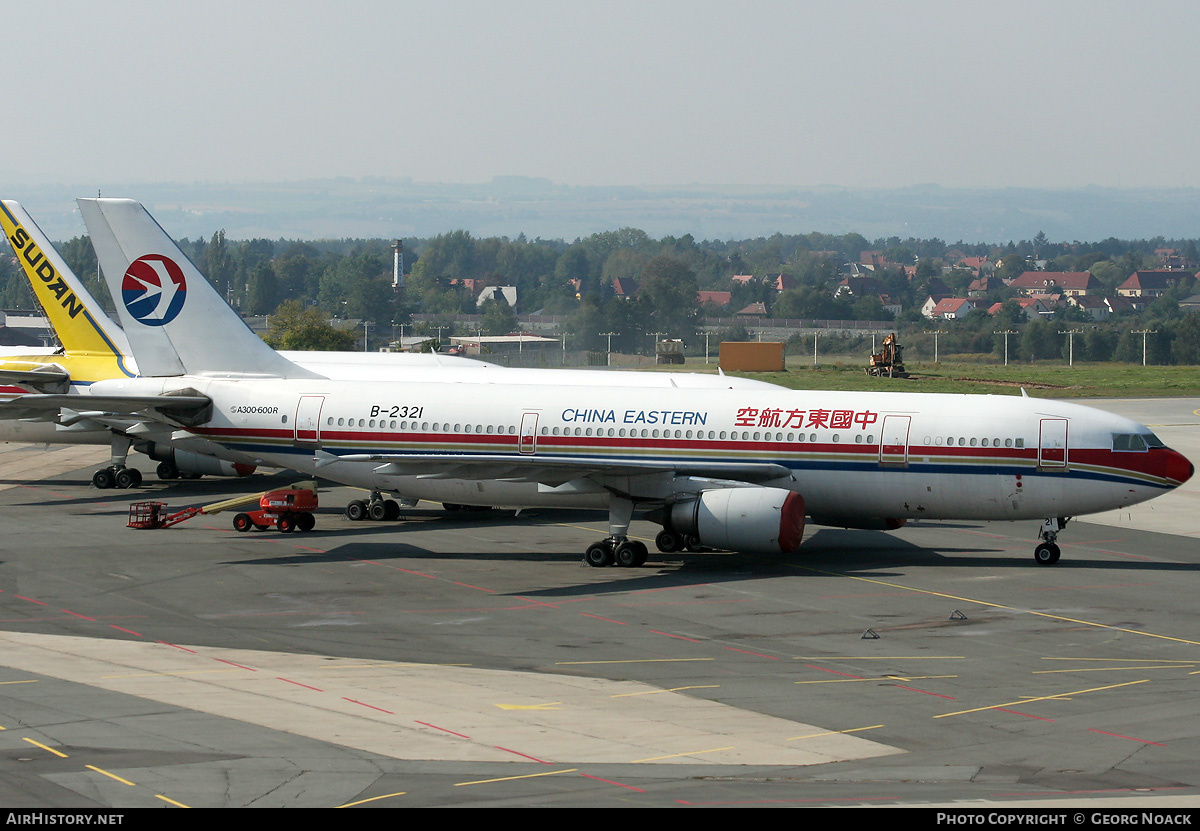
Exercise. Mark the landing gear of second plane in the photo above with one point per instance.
(1047, 552)
(620, 551)
(375, 507)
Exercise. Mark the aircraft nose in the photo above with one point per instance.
(1175, 466)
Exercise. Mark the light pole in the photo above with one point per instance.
(934, 332)
(1070, 333)
(1006, 333)
(814, 348)
(653, 343)
(366, 328)
(706, 334)
(610, 336)
(1143, 333)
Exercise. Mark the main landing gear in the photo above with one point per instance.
(1047, 553)
(117, 475)
(167, 471)
(375, 508)
(617, 548)
(669, 541)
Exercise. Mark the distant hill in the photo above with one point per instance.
(511, 205)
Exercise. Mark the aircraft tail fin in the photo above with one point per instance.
(81, 324)
(175, 320)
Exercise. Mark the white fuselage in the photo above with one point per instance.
(850, 454)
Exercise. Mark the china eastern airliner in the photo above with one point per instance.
(736, 469)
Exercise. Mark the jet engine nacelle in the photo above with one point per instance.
(186, 462)
(762, 520)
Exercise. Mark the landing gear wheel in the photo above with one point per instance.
(692, 543)
(306, 521)
(667, 542)
(599, 555)
(1046, 554)
(103, 479)
(377, 511)
(166, 471)
(356, 511)
(286, 524)
(189, 476)
(631, 554)
(127, 478)
(391, 510)
(242, 523)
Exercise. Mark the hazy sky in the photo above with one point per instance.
(1042, 94)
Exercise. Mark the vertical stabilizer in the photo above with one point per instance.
(175, 321)
(83, 329)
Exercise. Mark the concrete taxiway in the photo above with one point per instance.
(470, 659)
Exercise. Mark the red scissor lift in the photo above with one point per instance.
(288, 509)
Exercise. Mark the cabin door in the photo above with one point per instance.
(1052, 446)
(308, 419)
(529, 433)
(893, 441)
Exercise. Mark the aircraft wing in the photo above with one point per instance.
(42, 378)
(183, 408)
(547, 470)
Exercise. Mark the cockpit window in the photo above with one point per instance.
(1153, 440)
(1129, 442)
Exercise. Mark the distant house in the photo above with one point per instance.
(506, 293)
(754, 310)
(625, 288)
(983, 286)
(779, 282)
(1067, 283)
(1147, 284)
(1095, 307)
(469, 283)
(952, 308)
(930, 302)
(979, 266)
(1033, 307)
(858, 287)
(719, 299)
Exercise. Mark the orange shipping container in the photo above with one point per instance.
(751, 356)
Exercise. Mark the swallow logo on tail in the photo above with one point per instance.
(154, 290)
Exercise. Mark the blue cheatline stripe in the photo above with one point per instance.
(869, 464)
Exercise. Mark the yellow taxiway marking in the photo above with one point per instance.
(1108, 669)
(992, 605)
(553, 705)
(512, 778)
(883, 658)
(671, 690)
(372, 799)
(883, 678)
(677, 755)
(1116, 660)
(632, 661)
(30, 681)
(58, 753)
(1031, 699)
(834, 733)
(110, 775)
(172, 801)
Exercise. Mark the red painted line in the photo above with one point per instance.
(611, 782)
(927, 692)
(676, 637)
(130, 631)
(1019, 713)
(523, 755)
(755, 654)
(368, 706)
(407, 571)
(606, 619)
(1122, 554)
(834, 671)
(232, 664)
(298, 684)
(76, 614)
(479, 588)
(535, 602)
(31, 600)
(177, 646)
(443, 729)
(1119, 736)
